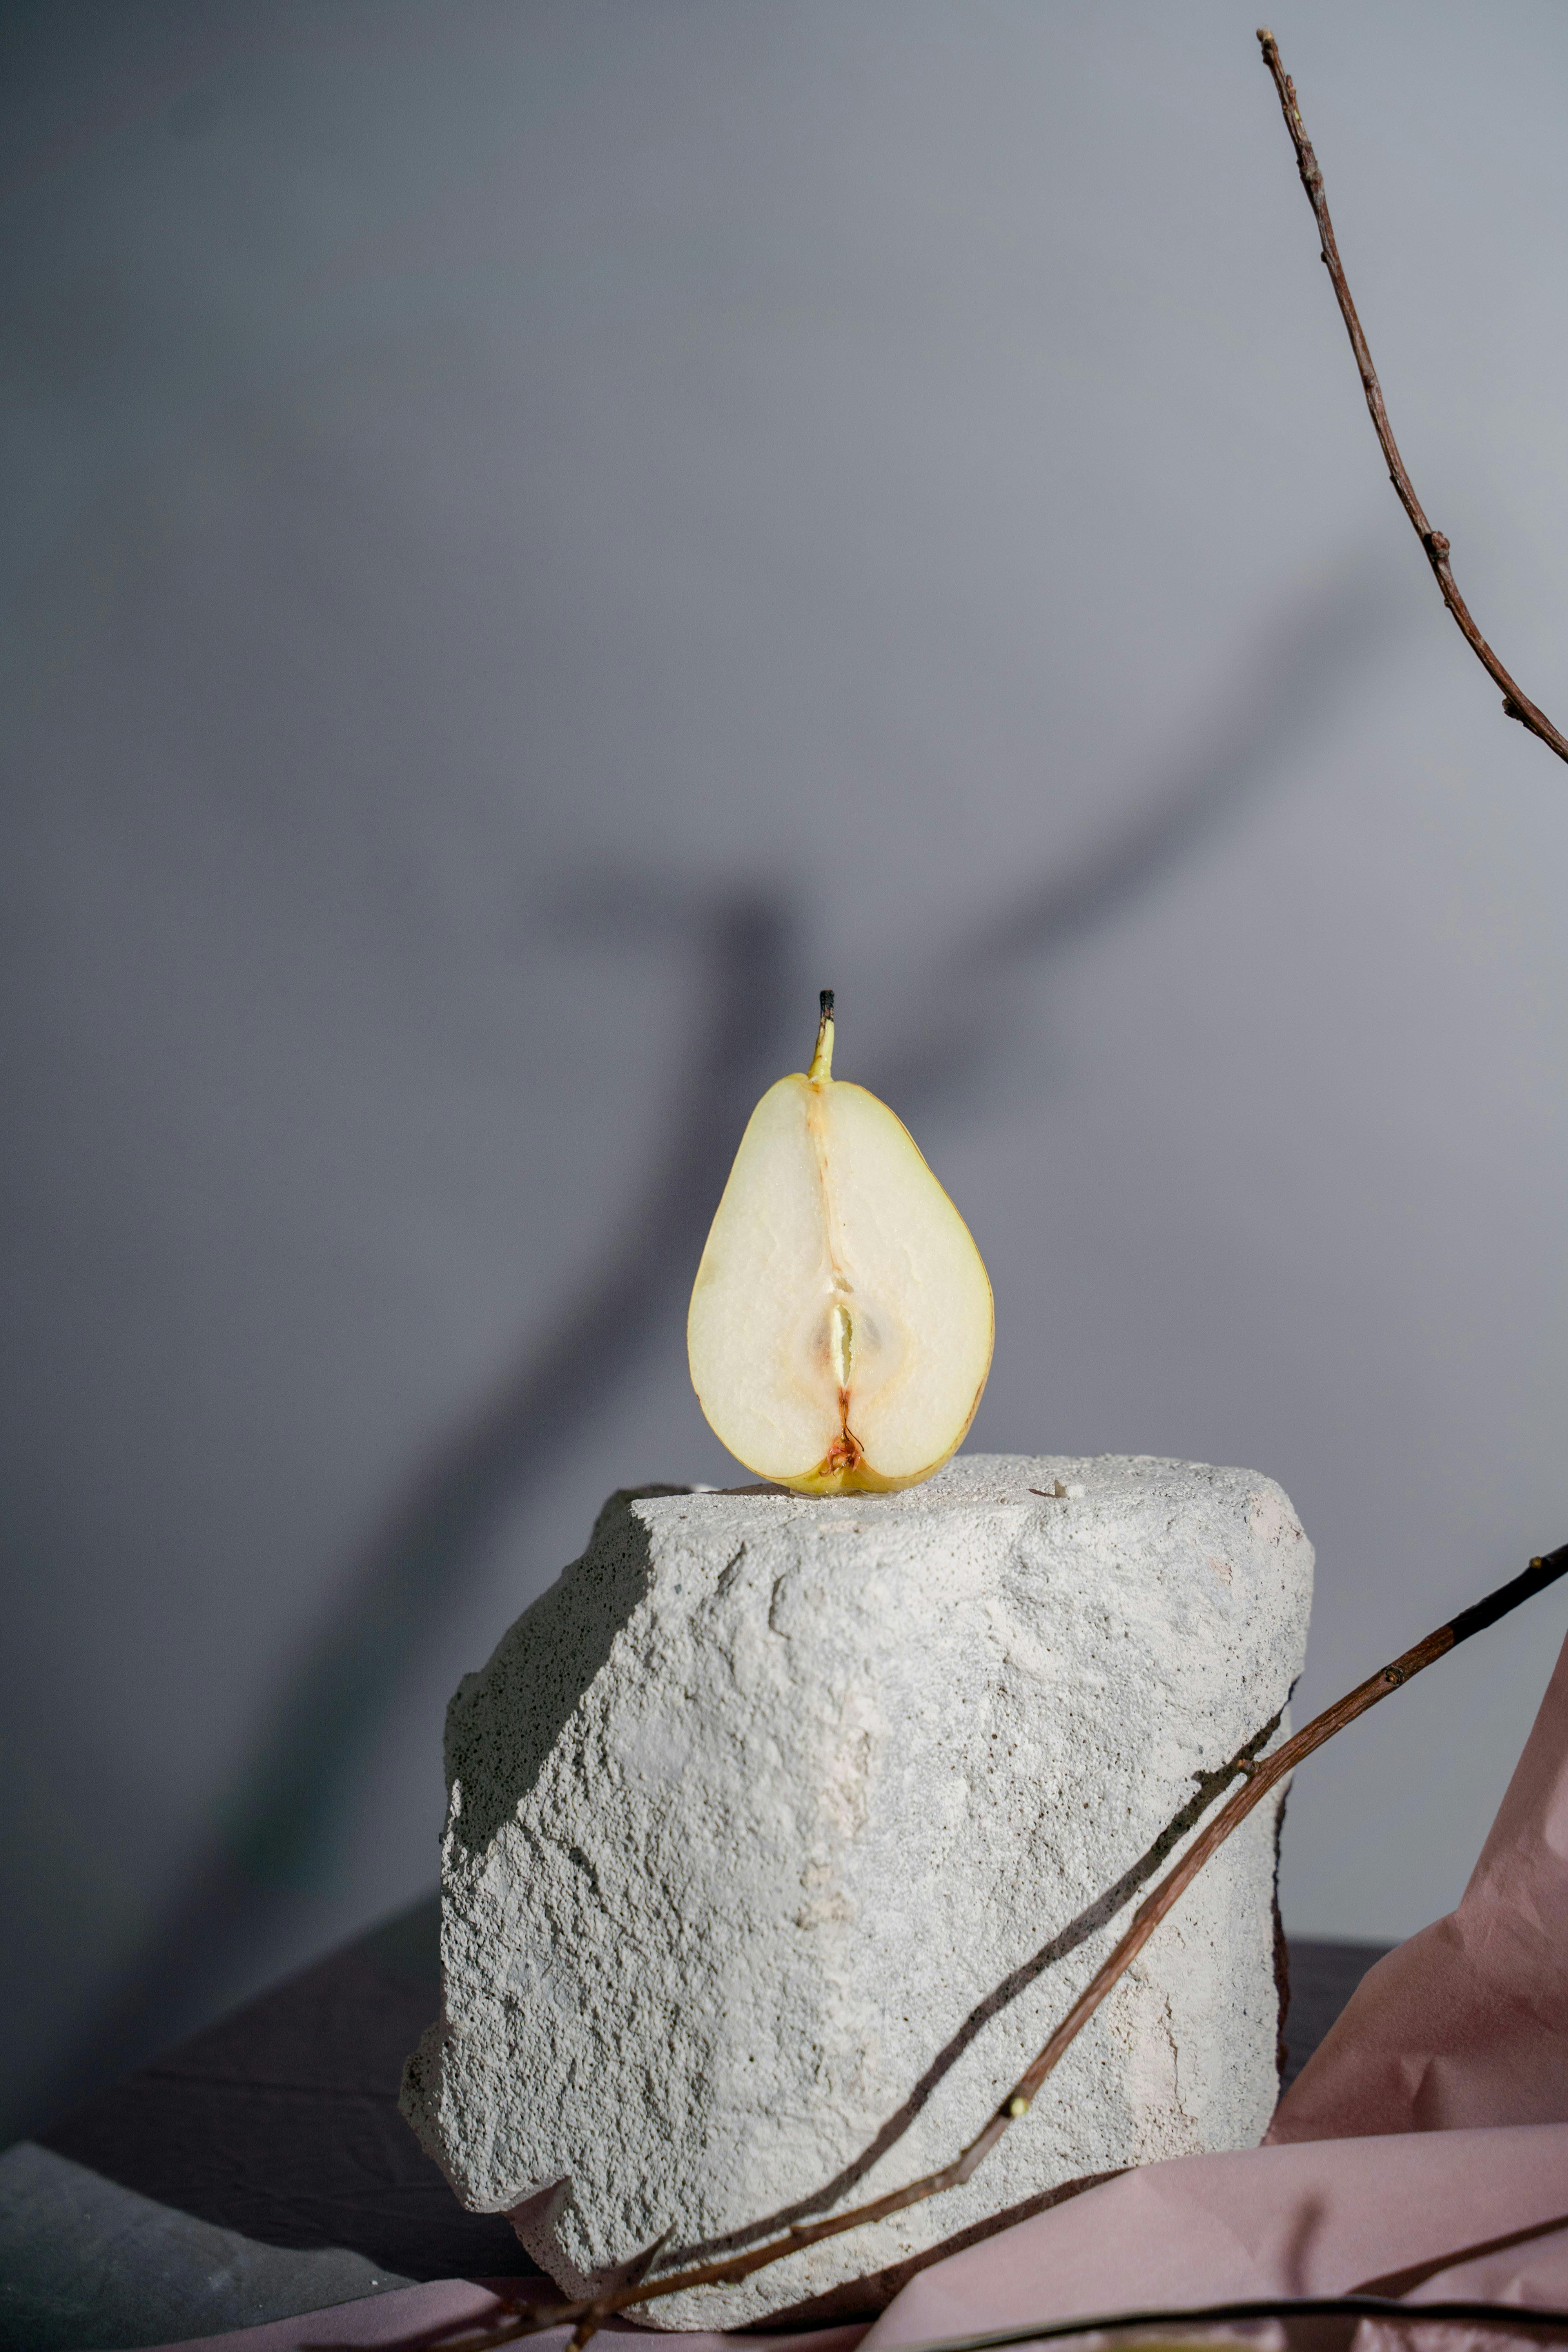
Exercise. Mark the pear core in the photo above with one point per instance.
(841, 1322)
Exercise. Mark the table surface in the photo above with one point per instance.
(262, 2168)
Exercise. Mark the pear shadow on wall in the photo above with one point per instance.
(275, 1836)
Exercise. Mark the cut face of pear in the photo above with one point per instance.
(841, 1322)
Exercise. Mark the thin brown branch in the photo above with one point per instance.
(630, 2274)
(1181, 2321)
(1261, 1778)
(1516, 703)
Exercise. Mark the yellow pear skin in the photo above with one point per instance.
(841, 1323)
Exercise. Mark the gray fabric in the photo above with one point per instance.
(262, 2169)
(86, 2263)
(258, 2169)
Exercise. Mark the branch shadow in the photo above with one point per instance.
(1059, 1947)
(1397, 2284)
(955, 1018)
(274, 1837)
(968, 1019)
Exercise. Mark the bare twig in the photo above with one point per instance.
(630, 2274)
(1183, 2321)
(1304, 2306)
(1516, 703)
(1262, 1777)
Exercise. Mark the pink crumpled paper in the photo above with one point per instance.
(1421, 2156)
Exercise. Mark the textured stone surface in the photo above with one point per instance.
(782, 1830)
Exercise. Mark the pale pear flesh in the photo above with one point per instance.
(841, 1322)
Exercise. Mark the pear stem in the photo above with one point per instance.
(821, 1060)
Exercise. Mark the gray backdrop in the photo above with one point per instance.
(538, 535)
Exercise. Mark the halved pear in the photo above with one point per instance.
(841, 1321)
